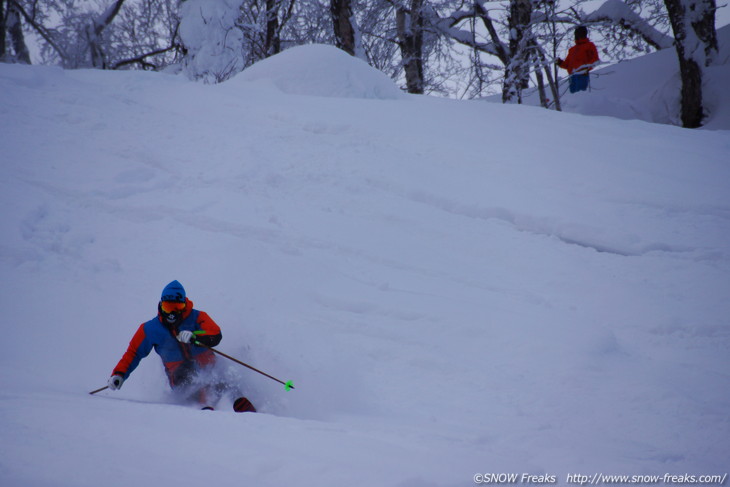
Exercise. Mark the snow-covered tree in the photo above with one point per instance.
(629, 26)
(695, 39)
(106, 34)
(346, 30)
(510, 36)
(11, 29)
(516, 76)
(222, 37)
(212, 40)
(464, 48)
(398, 38)
(3, 28)
(145, 35)
(693, 23)
(410, 27)
(94, 31)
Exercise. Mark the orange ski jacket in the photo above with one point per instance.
(177, 357)
(584, 53)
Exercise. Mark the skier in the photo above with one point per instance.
(173, 333)
(580, 60)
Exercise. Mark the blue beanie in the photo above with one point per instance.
(173, 292)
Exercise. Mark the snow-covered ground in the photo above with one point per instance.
(648, 87)
(455, 288)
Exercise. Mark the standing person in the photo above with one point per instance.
(173, 333)
(580, 60)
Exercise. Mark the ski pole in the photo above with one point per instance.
(288, 384)
(99, 390)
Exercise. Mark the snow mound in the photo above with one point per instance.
(319, 70)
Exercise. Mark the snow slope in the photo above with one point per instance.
(454, 287)
(648, 88)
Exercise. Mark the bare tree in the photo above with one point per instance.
(428, 46)
(272, 40)
(145, 35)
(342, 20)
(649, 21)
(516, 76)
(11, 25)
(636, 25)
(511, 39)
(3, 29)
(693, 23)
(410, 27)
(94, 31)
(139, 33)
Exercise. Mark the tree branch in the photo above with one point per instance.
(141, 59)
(41, 30)
(618, 13)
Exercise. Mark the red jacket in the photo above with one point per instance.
(583, 53)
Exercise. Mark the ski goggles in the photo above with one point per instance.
(172, 307)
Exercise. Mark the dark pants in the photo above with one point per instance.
(579, 82)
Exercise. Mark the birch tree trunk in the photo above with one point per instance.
(3, 30)
(695, 39)
(410, 40)
(272, 43)
(516, 73)
(14, 27)
(341, 12)
(95, 30)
